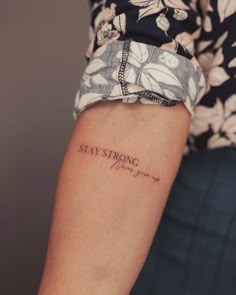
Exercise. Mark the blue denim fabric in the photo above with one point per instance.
(194, 250)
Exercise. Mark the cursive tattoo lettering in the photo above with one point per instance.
(122, 161)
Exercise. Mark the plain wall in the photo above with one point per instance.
(42, 56)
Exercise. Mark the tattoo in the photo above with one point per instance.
(122, 161)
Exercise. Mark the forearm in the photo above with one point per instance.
(106, 214)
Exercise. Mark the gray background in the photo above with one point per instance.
(42, 47)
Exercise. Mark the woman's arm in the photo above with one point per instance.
(106, 214)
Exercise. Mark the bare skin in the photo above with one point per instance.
(118, 169)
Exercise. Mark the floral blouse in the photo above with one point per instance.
(164, 52)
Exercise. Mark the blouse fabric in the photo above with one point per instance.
(165, 52)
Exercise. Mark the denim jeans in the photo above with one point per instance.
(194, 249)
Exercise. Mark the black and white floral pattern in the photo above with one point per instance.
(165, 51)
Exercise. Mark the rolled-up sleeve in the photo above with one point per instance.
(142, 52)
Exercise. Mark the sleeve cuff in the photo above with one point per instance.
(130, 71)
